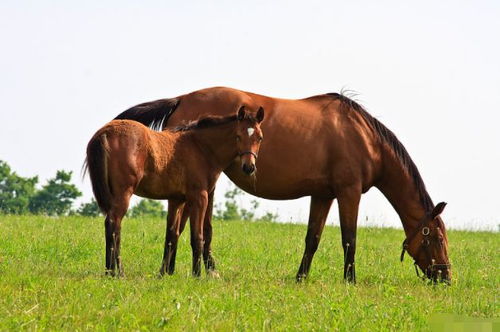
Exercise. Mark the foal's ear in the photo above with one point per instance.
(241, 113)
(438, 210)
(260, 115)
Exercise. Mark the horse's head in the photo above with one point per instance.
(428, 246)
(248, 138)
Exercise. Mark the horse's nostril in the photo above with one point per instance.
(249, 169)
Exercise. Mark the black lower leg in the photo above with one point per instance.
(349, 268)
(110, 257)
(317, 218)
(209, 261)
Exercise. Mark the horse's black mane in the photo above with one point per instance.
(392, 141)
(203, 123)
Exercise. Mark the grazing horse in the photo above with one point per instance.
(327, 147)
(181, 165)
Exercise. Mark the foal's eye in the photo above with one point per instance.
(260, 138)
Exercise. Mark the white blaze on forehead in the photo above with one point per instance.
(250, 131)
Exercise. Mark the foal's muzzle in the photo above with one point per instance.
(249, 168)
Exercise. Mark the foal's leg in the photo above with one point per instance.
(182, 216)
(207, 236)
(171, 237)
(348, 211)
(317, 218)
(110, 257)
(197, 207)
(113, 233)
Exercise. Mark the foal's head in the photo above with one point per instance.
(248, 138)
(429, 246)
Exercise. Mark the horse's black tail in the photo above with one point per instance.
(97, 165)
(153, 114)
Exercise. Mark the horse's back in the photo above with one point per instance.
(310, 145)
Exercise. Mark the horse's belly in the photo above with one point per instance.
(278, 184)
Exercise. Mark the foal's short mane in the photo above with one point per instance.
(392, 141)
(203, 123)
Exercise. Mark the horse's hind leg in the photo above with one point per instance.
(317, 218)
(112, 227)
(171, 236)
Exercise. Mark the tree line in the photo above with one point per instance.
(23, 195)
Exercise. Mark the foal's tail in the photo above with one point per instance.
(97, 165)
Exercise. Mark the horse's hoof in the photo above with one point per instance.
(300, 278)
(213, 274)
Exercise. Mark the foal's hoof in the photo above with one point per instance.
(351, 281)
(111, 274)
(213, 274)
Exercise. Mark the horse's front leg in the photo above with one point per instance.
(171, 236)
(348, 200)
(207, 237)
(208, 259)
(317, 218)
(197, 207)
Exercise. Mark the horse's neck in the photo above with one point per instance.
(217, 144)
(401, 191)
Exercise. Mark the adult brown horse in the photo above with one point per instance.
(326, 147)
(181, 165)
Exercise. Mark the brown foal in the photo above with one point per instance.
(181, 165)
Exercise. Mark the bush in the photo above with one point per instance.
(148, 207)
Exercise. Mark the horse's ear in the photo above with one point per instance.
(438, 210)
(260, 114)
(241, 113)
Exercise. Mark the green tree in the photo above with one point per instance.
(15, 191)
(90, 209)
(231, 211)
(248, 215)
(56, 197)
(149, 208)
(269, 216)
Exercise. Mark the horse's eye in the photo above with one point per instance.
(260, 138)
(238, 138)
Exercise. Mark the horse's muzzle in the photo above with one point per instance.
(440, 273)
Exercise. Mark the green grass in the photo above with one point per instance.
(51, 277)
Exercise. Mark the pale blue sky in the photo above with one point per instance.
(429, 70)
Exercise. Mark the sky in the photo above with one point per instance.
(429, 70)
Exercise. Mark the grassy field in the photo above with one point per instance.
(51, 277)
